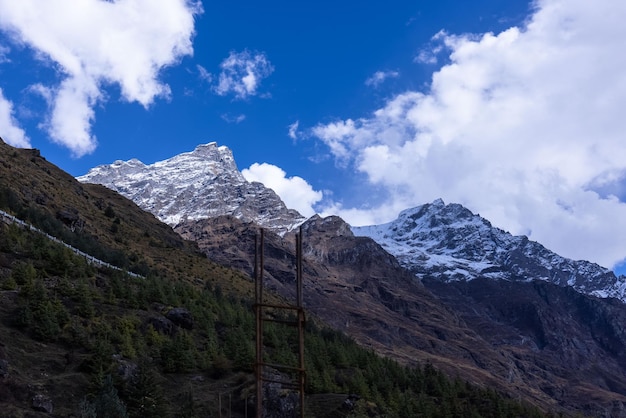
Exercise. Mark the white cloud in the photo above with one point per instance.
(72, 115)
(242, 73)
(294, 191)
(10, 131)
(95, 43)
(519, 127)
(359, 216)
(429, 54)
(335, 134)
(293, 130)
(379, 77)
(426, 57)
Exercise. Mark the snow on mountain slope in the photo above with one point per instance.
(196, 185)
(449, 242)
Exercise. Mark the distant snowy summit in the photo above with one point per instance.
(449, 242)
(200, 184)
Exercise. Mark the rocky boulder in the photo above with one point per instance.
(181, 317)
(42, 403)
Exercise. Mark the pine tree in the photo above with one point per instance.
(23, 273)
(108, 403)
(145, 395)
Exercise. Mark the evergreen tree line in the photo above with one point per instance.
(79, 239)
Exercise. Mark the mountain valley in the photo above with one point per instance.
(440, 285)
(506, 328)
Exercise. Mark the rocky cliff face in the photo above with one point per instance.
(450, 243)
(567, 345)
(195, 185)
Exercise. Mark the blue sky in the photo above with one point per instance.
(361, 109)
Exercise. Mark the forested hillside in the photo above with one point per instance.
(157, 347)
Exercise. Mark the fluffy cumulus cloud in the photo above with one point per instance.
(525, 127)
(95, 43)
(241, 74)
(12, 133)
(294, 191)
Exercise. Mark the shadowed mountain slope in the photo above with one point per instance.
(533, 339)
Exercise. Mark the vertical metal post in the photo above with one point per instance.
(258, 294)
(261, 274)
(299, 323)
(300, 318)
(299, 268)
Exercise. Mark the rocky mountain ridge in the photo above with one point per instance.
(200, 184)
(451, 243)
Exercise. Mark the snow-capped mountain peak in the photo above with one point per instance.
(195, 185)
(449, 242)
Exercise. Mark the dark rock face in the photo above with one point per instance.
(42, 403)
(70, 218)
(162, 325)
(126, 369)
(564, 342)
(181, 317)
